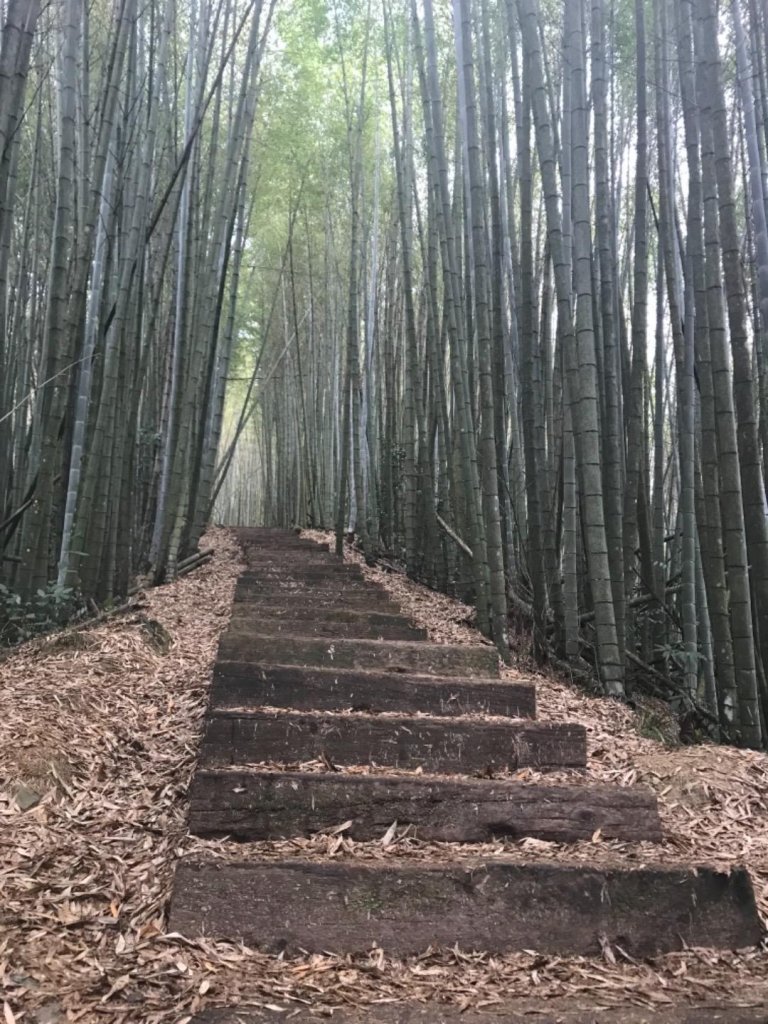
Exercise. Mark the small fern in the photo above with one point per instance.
(50, 608)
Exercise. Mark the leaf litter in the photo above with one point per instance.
(103, 727)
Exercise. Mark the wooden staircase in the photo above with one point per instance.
(319, 666)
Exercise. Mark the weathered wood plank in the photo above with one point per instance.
(361, 595)
(463, 745)
(275, 540)
(237, 684)
(295, 556)
(271, 805)
(332, 573)
(311, 589)
(382, 655)
(303, 555)
(288, 610)
(517, 1011)
(300, 598)
(265, 531)
(311, 565)
(280, 539)
(495, 906)
(297, 626)
(289, 546)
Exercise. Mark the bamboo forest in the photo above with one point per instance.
(479, 285)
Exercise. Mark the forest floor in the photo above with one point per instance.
(99, 729)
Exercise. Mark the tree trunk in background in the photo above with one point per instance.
(583, 375)
(753, 490)
(612, 447)
(57, 354)
(482, 296)
(15, 51)
(634, 407)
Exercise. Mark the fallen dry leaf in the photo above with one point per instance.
(389, 835)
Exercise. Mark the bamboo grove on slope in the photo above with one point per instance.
(517, 329)
(125, 142)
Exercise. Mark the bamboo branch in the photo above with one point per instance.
(454, 536)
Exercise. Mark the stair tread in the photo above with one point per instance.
(299, 570)
(303, 628)
(271, 805)
(288, 601)
(391, 655)
(494, 905)
(325, 578)
(238, 683)
(307, 589)
(516, 1011)
(457, 744)
(290, 612)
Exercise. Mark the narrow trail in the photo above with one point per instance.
(103, 725)
(332, 715)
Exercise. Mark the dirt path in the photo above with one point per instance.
(105, 727)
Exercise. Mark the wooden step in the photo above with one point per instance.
(249, 532)
(295, 555)
(299, 572)
(290, 546)
(344, 616)
(251, 625)
(334, 574)
(306, 553)
(303, 576)
(240, 685)
(258, 531)
(519, 1010)
(285, 805)
(275, 597)
(283, 585)
(282, 542)
(323, 592)
(497, 906)
(461, 745)
(278, 538)
(384, 655)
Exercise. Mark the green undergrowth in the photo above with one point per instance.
(48, 609)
